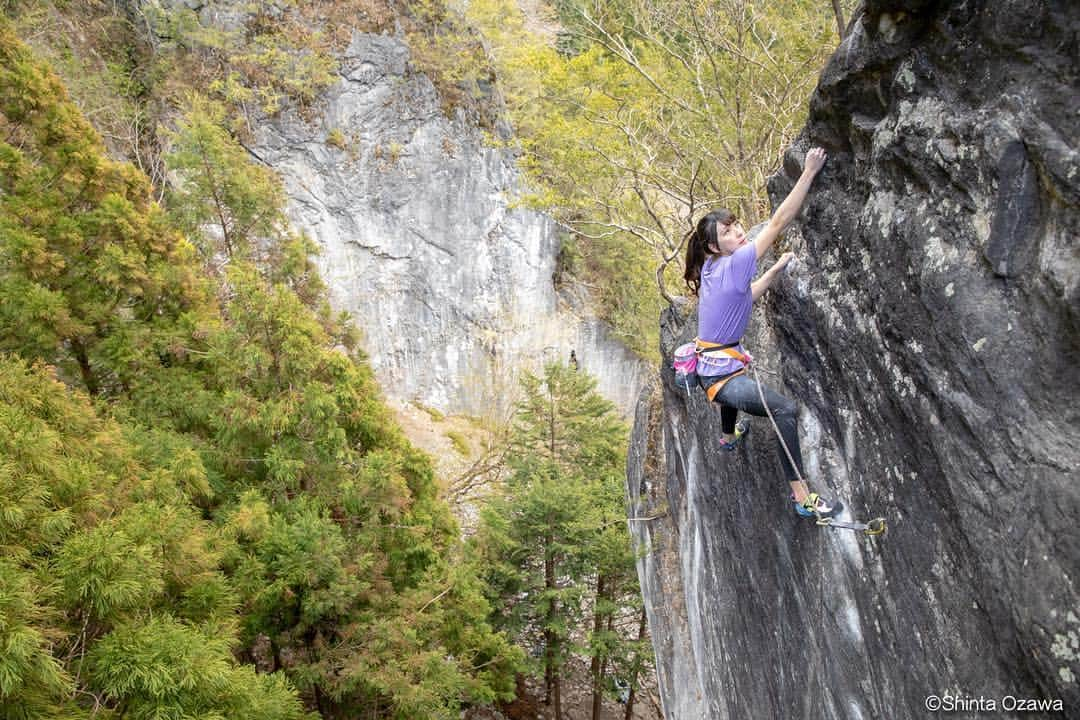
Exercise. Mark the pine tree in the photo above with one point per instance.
(92, 278)
(556, 543)
(222, 195)
(106, 565)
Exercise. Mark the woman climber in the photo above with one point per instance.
(720, 267)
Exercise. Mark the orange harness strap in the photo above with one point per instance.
(713, 390)
(711, 350)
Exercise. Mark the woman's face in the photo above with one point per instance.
(730, 237)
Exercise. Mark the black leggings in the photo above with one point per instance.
(741, 393)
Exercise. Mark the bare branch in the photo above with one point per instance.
(434, 599)
(619, 49)
(840, 26)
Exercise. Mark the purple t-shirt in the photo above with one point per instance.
(724, 305)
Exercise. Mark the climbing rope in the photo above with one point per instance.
(876, 526)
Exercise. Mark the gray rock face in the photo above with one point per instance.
(451, 285)
(153, 15)
(929, 332)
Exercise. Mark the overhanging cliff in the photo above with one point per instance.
(929, 333)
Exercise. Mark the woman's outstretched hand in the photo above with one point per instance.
(764, 282)
(815, 160)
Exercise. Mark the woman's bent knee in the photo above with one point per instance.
(786, 409)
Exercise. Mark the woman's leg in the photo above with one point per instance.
(728, 416)
(741, 393)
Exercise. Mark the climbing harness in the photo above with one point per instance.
(685, 362)
(714, 350)
(876, 526)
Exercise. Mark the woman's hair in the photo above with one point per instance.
(697, 245)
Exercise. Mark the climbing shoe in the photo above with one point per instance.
(816, 506)
(741, 428)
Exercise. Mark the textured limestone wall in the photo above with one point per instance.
(930, 333)
(451, 285)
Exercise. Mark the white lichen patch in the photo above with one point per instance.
(946, 150)
(810, 430)
(887, 27)
(1065, 646)
(980, 223)
(881, 206)
(854, 627)
(905, 77)
(865, 258)
(884, 137)
(928, 113)
(903, 383)
(931, 598)
(939, 256)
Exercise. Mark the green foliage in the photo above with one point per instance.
(90, 564)
(91, 276)
(451, 53)
(270, 61)
(106, 574)
(433, 413)
(287, 55)
(459, 442)
(354, 526)
(225, 389)
(221, 191)
(95, 48)
(336, 138)
(556, 543)
(30, 677)
(280, 69)
(161, 668)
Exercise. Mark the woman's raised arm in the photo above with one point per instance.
(815, 160)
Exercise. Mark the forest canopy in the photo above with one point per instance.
(196, 469)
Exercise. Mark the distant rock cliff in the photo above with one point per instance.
(452, 286)
(930, 334)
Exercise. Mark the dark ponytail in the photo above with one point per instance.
(697, 245)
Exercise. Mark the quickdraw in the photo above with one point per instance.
(875, 526)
